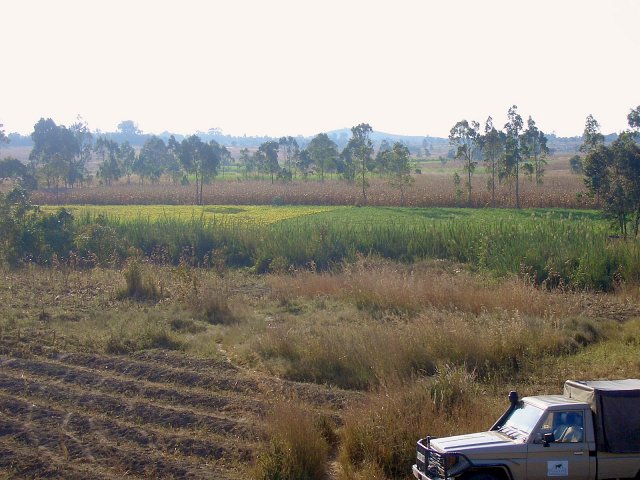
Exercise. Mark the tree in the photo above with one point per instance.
(361, 149)
(54, 148)
(596, 159)
(171, 160)
(304, 163)
(84, 138)
(591, 137)
(398, 161)
(17, 226)
(14, 170)
(247, 163)
(270, 164)
(612, 173)
(128, 127)
(153, 158)
(465, 138)
(633, 118)
(259, 160)
(290, 149)
(127, 159)
(200, 159)
(513, 149)
(225, 158)
(493, 153)
(425, 148)
(110, 168)
(323, 153)
(575, 164)
(346, 164)
(214, 153)
(3, 138)
(535, 150)
(381, 162)
(128, 131)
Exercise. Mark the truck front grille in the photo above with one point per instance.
(430, 462)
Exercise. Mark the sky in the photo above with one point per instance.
(301, 67)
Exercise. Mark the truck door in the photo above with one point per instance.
(567, 457)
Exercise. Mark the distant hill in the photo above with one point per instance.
(416, 144)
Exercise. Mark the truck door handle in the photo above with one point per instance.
(578, 453)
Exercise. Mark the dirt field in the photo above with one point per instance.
(150, 415)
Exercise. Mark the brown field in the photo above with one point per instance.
(429, 190)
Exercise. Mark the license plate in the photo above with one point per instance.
(421, 457)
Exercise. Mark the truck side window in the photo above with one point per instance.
(567, 426)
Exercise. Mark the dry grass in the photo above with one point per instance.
(394, 322)
(364, 355)
(296, 447)
(385, 288)
(379, 436)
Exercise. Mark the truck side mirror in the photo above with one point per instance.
(548, 439)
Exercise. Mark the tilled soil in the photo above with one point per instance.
(156, 414)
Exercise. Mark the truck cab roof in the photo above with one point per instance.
(554, 402)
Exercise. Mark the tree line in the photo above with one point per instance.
(508, 154)
(612, 172)
(60, 156)
(355, 163)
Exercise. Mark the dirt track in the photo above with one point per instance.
(153, 415)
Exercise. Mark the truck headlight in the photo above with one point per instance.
(456, 463)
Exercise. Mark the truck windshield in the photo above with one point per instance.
(522, 420)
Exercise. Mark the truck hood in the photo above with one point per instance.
(482, 442)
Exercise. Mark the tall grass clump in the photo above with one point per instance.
(132, 332)
(139, 284)
(296, 449)
(380, 435)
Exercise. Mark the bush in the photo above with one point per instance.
(100, 242)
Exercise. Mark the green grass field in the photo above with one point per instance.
(554, 247)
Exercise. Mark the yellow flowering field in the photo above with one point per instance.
(240, 214)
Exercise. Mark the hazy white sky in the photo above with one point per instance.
(288, 67)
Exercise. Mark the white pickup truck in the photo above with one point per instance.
(591, 432)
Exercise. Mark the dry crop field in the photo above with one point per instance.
(227, 374)
(559, 189)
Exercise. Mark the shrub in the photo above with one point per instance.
(101, 242)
